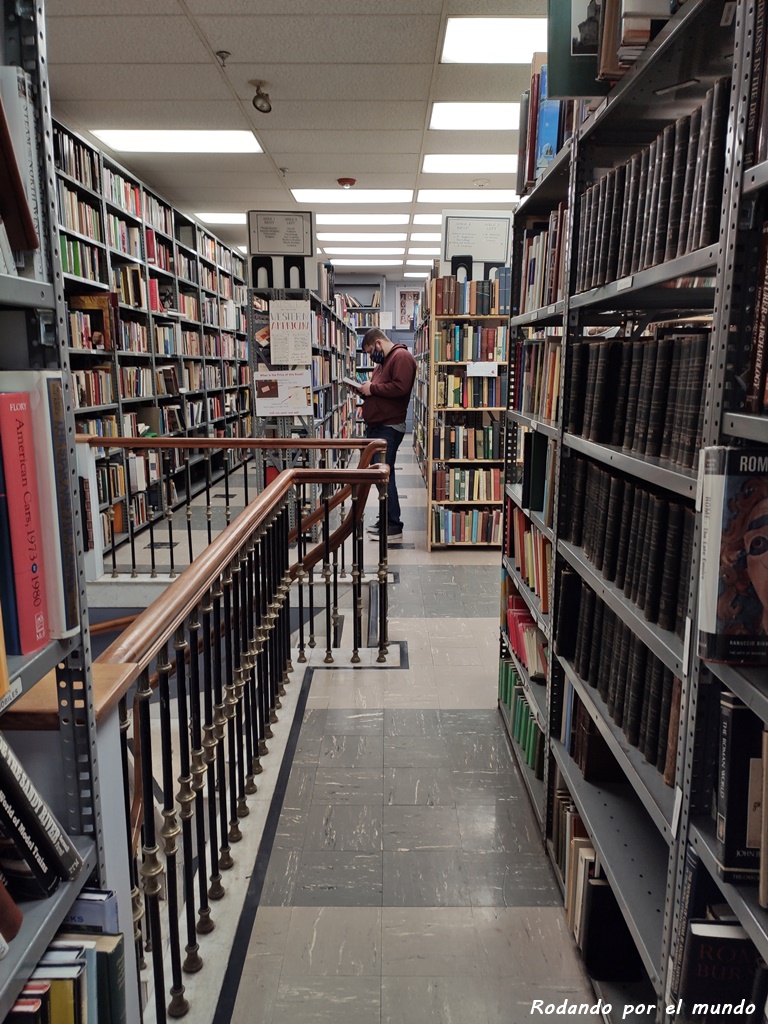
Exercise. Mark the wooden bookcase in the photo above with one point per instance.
(454, 408)
(178, 361)
(640, 812)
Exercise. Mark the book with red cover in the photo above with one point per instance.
(24, 517)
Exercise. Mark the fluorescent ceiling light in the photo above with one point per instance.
(352, 195)
(425, 252)
(362, 218)
(416, 273)
(467, 195)
(486, 117)
(427, 218)
(362, 250)
(493, 40)
(419, 263)
(366, 263)
(177, 140)
(353, 236)
(425, 236)
(243, 248)
(221, 218)
(469, 163)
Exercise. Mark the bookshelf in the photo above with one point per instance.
(460, 397)
(633, 333)
(33, 320)
(157, 321)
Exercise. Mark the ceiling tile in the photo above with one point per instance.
(294, 8)
(354, 164)
(100, 8)
(320, 141)
(344, 115)
(157, 114)
(141, 82)
(94, 41)
(373, 38)
(332, 82)
(489, 83)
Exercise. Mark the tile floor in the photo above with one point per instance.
(406, 882)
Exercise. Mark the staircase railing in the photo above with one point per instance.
(206, 665)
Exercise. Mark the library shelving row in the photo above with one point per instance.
(640, 264)
(157, 317)
(460, 397)
(44, 615)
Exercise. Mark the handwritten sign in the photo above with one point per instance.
(290, 332)
(484, 237)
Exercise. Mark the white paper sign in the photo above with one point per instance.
(290, 332)
(386, 320)
(284, 393)
(488, 369)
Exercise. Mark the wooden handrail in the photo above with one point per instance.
(266, 443)
(139, 643)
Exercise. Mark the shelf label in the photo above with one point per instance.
(535, 314)
(729, 13)
(625, 283)
(486, 369)
(676, 812)
(687, 647)
(552, 309)
(534, 424)
(13, 692)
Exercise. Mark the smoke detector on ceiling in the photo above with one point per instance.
(346, 182)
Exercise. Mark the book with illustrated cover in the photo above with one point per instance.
(733, 576)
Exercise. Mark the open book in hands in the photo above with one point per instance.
(353, 385)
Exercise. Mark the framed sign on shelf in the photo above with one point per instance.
(408, 301)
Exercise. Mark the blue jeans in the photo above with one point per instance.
(394, 439)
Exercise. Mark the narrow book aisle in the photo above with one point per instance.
(402, 879)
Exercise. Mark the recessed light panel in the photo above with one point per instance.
(470, 163)
(124, 140)
(427, 218)
(365, 263)
(475, 117)
(416, 273)
(425, 236)
(493, 40)
(362, 250)
(425, 252)
(365, 219)
(352, 195)
(221, 218)
(467, 195)
(366, 236)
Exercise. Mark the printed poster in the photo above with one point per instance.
(284, 393)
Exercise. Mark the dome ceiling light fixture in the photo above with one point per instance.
(346, 182)
(261, 100)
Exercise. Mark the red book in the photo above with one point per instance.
(24, 515)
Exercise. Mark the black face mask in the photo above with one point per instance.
(376, 356)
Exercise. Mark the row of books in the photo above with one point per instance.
(452, 297)
(661, 203)
(456, 484)
(525, 729)
(755, 399)
(637, 691)
(471, 440)
(460, 391)
(639, 540)
(545, 125)
(530, 552)
(80, 259)
(93, 387)
(646, 396)
(77, 213)
(526, 640)
(533, 468)
(470, 343)
(592, 912)
(473, 526)
(537, 377)
(542, 277)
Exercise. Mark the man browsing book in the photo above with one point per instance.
(386, 396)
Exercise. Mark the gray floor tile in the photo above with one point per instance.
(324, 941)
(348, 786)
(486, 787)
(403, 752)
(298, 792)
(280, 882)
(307, 751)
(501, 880)
(429, 942)
(498, 828)
(426, 787)
(420, 828)
(313, 724)
(291, 829)
(511, 1000)
(433, 878)
(354, 722)
(487, 723)
(529, 944)
(326, 1001)
(427, 1000)
(339, 880)
(344, 827)
(476, 752)
(256, 996)
(344, 751)
(411, 722)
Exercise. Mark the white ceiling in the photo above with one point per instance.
(351, 84)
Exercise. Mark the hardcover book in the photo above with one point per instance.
(733, 577)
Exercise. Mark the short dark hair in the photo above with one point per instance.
(373, 335)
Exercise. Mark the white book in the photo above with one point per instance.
(93, 558)
(16, 93)
(7, 260)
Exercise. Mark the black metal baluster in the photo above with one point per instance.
(357, 609)
(169, 509)
(275, 674)
(131, 514)
(336, 618)
(151, 510)
(227, 509)
(239, 681)
(286, 585)
(243, 451)
(251, 701)
(208, 509)
(137, 909)
(382, 574)
(343, 546)
(300, 576)
(170, 830)
(188, 503)
(220, 726)
(327, 577)
(261, 676)
(111, 518)
(151, 866)
(186, 798)
(230, 701)
(311, 589)
(216, 889)
(197, 771)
